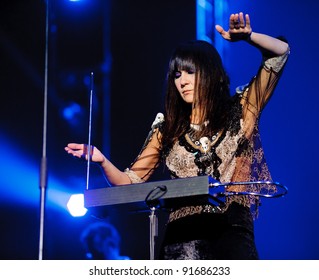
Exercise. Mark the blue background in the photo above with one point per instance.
(139, 37)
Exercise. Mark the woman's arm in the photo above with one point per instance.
(113, 175)
(140, 170)
(268, 45)
(261, 87)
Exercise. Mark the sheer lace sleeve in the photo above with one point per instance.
(148, 158)
(133, 176)
(258, 92)
(250, 162)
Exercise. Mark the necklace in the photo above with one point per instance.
(198, 127)
(203, 144)
(204, 151)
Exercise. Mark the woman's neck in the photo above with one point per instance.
(195, 117)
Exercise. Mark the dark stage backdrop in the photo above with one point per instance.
(127, 45)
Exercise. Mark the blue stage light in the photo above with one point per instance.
(19, 179)
(205, 16)
(71, 111)
(75, 205)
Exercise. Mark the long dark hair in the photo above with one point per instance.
(212, 94)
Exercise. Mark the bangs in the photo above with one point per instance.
(196, 56)
(180, 63)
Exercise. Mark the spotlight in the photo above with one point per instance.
(75, 205)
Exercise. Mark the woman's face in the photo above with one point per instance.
(185, 84)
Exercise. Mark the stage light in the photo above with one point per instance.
(75, 205)
(204, 18)
(74, 114)
(24, 188)
(71, 111)
(209, 13)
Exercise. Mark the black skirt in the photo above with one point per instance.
(211, 236)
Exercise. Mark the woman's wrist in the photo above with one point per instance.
(248, 37)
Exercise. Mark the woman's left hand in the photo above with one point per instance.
(239, 28)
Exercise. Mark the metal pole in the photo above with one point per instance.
(153, 232)
(43, 171)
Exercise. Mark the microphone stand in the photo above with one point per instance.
(43, 167)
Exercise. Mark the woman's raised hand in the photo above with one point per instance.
(239, 28)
